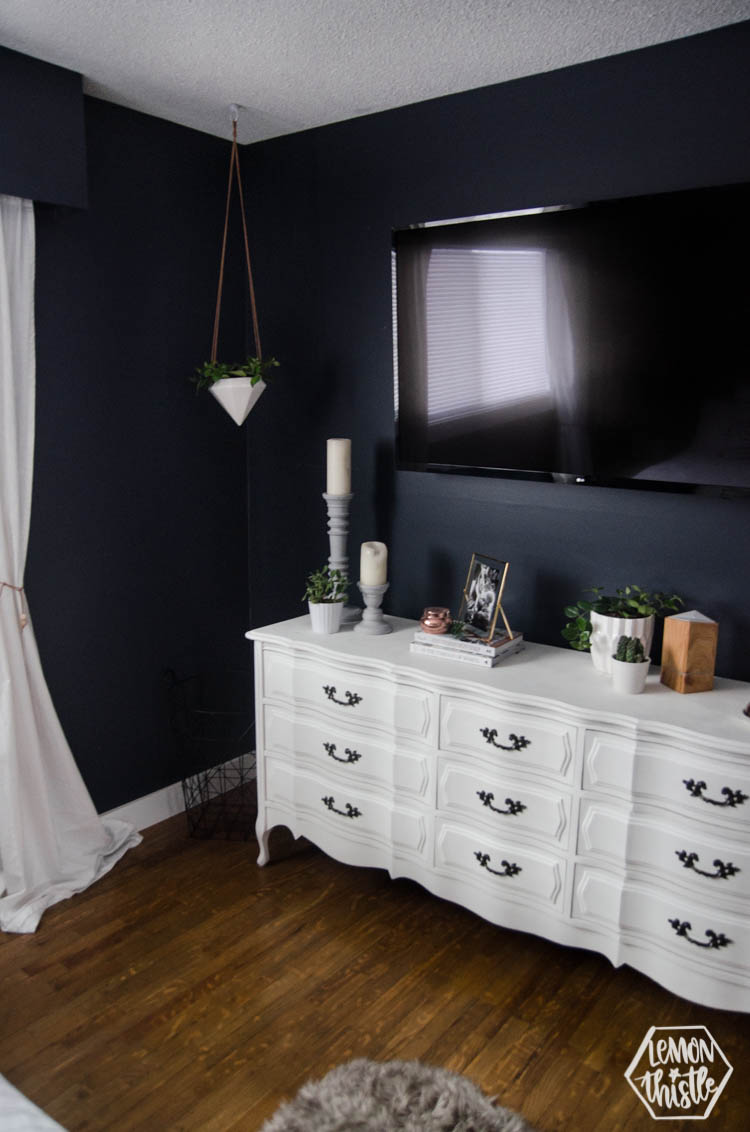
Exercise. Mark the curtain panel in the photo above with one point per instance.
(52, 841)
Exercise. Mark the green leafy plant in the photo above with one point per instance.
(256, 369)
(326, 585)
(456, 628)
(629, 649)
(629, 601)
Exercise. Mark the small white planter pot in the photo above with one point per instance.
(628, 677)
(237, 395)
(606, 632)
(326, 615)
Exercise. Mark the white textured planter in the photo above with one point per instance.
(628, 677)
(237, 395)
(326, 615)
(606, 632)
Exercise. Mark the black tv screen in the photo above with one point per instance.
(605, 343)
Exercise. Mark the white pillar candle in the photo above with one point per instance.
(339, 466)
(373, 564)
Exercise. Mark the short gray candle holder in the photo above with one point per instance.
(338, 531)
(373, 621)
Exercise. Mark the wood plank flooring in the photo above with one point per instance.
(190, 990)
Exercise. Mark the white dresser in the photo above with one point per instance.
(530, 793)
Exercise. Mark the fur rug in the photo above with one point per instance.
(392, 1096)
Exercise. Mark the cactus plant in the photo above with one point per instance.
(630, 649)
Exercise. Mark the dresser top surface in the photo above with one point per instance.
(535, 674)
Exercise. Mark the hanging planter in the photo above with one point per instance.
(238, 396)
(237, 386)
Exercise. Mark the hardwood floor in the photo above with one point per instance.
(190, 989)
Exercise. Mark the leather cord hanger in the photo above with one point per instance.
(234, 168)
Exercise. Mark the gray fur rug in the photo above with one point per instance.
(392, 1096)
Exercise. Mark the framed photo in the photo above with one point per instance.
(482, 595)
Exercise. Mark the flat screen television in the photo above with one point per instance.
(605, 343)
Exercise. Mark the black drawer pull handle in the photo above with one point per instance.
(518, 742)
(351, 756)
(723, 871)
(715, 939)
(509, 870)
(352, 698)
(350, 811)
(731, 797)
(513, 807)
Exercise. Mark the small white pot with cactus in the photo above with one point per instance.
(629, 666)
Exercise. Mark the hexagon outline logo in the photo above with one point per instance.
(679, 1072)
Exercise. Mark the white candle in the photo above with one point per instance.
(373, 564)
(339, 466)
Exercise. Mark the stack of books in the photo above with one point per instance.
(469, 649)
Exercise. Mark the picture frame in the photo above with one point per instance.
(481, 598)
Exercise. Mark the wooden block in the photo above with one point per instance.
(688, 655)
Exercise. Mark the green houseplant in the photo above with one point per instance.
(325, 594)
(256, 369)
(596, 625)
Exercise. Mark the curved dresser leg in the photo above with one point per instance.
(262, 836)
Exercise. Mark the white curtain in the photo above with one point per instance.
(52, 842)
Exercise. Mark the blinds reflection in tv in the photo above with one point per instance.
(603, 343)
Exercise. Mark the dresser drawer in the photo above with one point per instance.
(688, 853)
(347, 693)
(514, 737)
(505, 869)
(663, 921)
(337, 748)
(350, 813)
(508, 803)
(701, 785)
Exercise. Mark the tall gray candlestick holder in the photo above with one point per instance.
(373, 620)
(338, 531)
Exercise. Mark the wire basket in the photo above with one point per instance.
(213, 727)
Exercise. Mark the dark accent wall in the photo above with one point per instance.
(322, 207)
(42, 143)
(137, 556)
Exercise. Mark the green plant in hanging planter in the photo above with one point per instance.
(257, 369)
(228, 381)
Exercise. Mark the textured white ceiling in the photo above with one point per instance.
(292, 64)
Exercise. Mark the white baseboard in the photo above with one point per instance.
(151, 808)
(156, 807)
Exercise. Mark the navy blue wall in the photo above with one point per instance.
(144, 494)
(137, 556)
(322, 209)
(42, 143)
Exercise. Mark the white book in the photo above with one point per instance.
(439, 652)
(460, 644)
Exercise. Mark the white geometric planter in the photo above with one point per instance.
(606, 632)
(628, 677)
(237, 395)
(326, 615)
